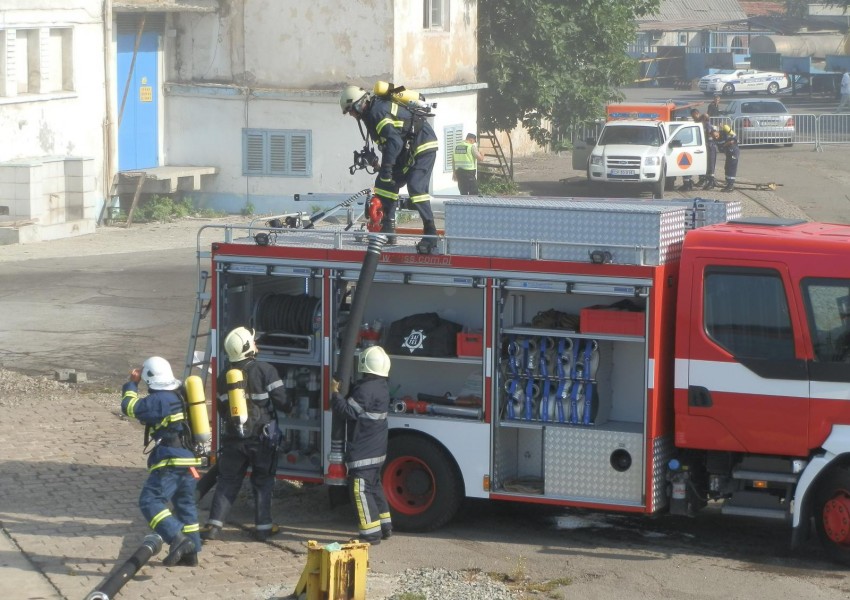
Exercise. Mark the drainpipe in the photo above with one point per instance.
(108, 123)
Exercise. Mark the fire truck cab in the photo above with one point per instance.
(633, 356)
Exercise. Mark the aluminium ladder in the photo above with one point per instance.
(194, 358)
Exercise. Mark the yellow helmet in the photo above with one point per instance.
(239, 344)
(352, 97)
(727, 129)
(374, 360)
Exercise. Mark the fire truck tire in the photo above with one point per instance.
(658, 186)
(422, 484)
(832, 514)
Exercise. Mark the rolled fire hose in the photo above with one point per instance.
(112, 584)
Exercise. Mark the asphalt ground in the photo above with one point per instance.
(71, 467)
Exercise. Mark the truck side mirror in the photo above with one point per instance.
(676, 143)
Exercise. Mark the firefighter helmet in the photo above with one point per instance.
(157, 374)
(726, 129)
(352, 97)
(239, 344)
(374, 360)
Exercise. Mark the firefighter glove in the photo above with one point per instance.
(334, 385)
(386, 173)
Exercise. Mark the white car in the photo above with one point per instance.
(728, 82)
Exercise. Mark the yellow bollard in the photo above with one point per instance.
(334, 572)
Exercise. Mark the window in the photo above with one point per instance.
(435, 14)
(689, 136)
(36, 61)
(746, 313)
(277, 153)
(453, 135)
(828, 310)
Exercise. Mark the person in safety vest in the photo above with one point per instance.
(465, 160)
(172, 477)
(408, 147)
(366, 410)
(250, 436)
(728, 144)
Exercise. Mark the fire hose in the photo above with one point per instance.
(112, 584)
(336, 474)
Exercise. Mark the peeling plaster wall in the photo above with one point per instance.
(439, 57)
(63, 123)
(279, 64)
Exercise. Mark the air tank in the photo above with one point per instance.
(815, 46)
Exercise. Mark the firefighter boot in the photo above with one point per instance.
(180, 546)
(687, 186)
(730, 185)
(388, 228)
(427, 245)
(210, 532)
(709, 183)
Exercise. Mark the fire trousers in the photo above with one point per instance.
(367, 495)
(466, 182)
(233, 463)
(175, 486)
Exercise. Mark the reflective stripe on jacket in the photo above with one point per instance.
(366, 406)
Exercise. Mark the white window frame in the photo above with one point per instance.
(435, 15)
(453, 135)
(277, 153)
(36, 62)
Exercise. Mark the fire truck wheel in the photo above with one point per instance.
(832, 514)
(422, 484)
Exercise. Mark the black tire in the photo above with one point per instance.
(772, 88)
(728, 89)
(422, 484)
(658, 186)
(832, 514)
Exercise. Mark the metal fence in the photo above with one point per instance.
(784, 129)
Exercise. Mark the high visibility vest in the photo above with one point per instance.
(463, 157)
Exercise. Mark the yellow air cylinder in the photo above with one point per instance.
(236, 399)
(199, 419)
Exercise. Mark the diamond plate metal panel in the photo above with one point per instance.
(662, 450)
(562, 229)
(578, 464)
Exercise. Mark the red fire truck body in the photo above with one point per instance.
(606, 354)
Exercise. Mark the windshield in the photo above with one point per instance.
(634, 135)
(750, 108)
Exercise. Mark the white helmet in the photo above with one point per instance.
(157, 374)
(352, 97)
(374, 360)
(239, 344)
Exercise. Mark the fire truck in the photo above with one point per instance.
(638, 356)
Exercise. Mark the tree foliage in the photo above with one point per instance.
(800, 8)
(553, 60)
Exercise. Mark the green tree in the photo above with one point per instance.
(555, 60)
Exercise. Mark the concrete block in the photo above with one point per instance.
(63, 374)
(78, 377)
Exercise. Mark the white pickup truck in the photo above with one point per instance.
(638, 151)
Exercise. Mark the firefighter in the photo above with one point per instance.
(171, 478)
(408, 150)
(728, 144)
(366, 410)
(711, 136)
(465, 161)
(252, 441)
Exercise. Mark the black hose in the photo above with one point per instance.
(113, 584)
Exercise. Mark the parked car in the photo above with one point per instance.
(727, 82)
(759, 121)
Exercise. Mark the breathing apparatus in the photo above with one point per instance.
(199, 421)
(236, 399)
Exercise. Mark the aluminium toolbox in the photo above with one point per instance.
(565, 229)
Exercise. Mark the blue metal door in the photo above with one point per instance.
(138, 133)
